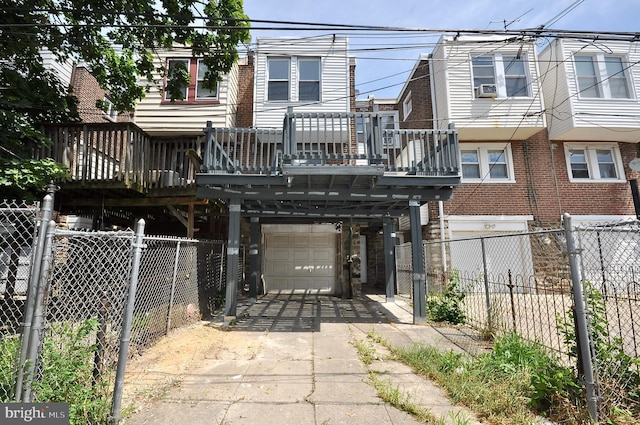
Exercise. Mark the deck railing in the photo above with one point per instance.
(103, 153)
(329, 139)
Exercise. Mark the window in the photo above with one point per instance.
(195, 90)
(309, 79)
(110, 113)
(201, 91)
(488, 162)
(593, 162)
(483, 70)
(172, 65)
(601, 76)
(407, 107)
(515, 76)
(509, 73)
(278, 85)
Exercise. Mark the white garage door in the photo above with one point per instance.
(300, 262)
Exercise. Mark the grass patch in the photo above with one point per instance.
(500, 387)
(394, 396)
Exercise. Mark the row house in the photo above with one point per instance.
(276, 157)
(314, 174)
(541, 134)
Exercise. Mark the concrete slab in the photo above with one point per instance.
(170, 413)
(277, 381)
(290, 359)
(251, 413)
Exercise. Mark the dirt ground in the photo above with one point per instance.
(161, 367)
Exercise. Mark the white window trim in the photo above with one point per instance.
(205, 98)
(407, 106)
(299, 79)
(602, 77)
(483, 160)
(268, 78)
(592, 163)
(111, 114)
(499, 74)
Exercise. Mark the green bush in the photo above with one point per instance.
(9, 352)
(67, 373)
(447, 307)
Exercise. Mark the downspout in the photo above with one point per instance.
(443, 251)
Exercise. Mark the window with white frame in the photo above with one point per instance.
(195, 90)
(486, 162)
(588, 162)
(172, 66)
(407, 106)
(203, 93)
(601, 75)
(515, 76)
(364, 129)
(278, 83)
(509, 73)
(309, 79)
(109, 111)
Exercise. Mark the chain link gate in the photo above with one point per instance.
(72, 345)
(17, 231)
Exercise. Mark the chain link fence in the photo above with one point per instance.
(17, 230)
(76, 305)
(523, 283)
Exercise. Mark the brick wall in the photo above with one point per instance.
(86, 89)
(421, 116)
(542, 190)
(244, 113)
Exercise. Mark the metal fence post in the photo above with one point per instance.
(173, 287)
(34, 278)
(125, 334)
(582, 332)
(486, 285)
(38, 312)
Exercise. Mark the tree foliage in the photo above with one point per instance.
(117, 39)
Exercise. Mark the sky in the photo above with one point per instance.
(384, 60)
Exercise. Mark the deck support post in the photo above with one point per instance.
(233, 260)
(389, 234)
(254, 258)
(419, 278)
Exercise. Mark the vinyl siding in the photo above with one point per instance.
(157, 118)
(580, 118)
(441, 85)
(454, 77)
(62, 70)
(556, 90)
(334, 77)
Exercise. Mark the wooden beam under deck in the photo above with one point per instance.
(141, 202)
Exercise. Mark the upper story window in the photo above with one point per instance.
(278, 85)
(203, 93)
(602, 76)
(486, 162)
(388, 121)
(309, 79)
(588, 162)
(109, 111)
(500, 75)
(407, 106)
(194, 90)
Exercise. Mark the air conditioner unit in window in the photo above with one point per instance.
(487, 90)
